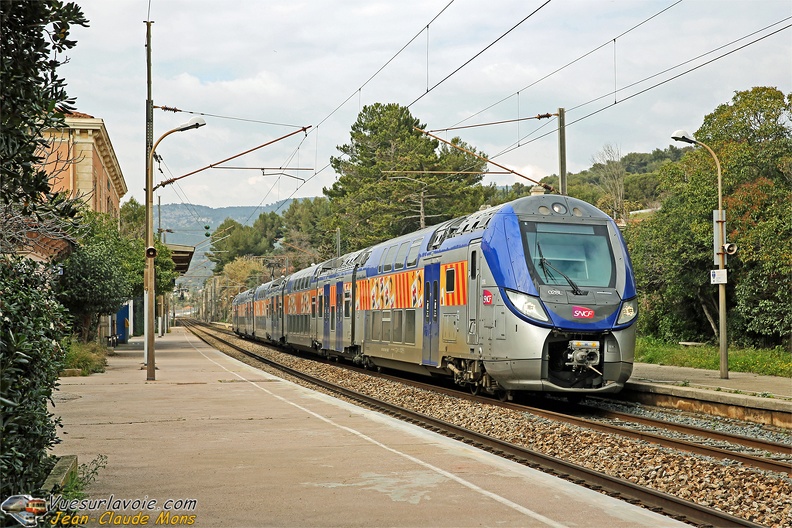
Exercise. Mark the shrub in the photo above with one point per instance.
(32, 327)
(88, 357)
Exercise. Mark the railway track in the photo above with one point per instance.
(697, 442)
(571, 417)
(650, 498)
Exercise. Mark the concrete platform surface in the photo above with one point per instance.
(774, 387)
(214, 442)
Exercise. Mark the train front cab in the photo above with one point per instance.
(548, 334)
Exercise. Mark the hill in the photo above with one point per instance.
(184, 224)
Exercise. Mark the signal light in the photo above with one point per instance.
(207, 234)
(151, 252)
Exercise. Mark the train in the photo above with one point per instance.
(536, 295)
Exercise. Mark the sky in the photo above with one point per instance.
(628, 73)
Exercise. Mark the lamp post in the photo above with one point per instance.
(719, 218)
(148, 281)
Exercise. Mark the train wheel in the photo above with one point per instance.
(503, 395)
(475, 389)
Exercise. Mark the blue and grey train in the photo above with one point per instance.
(533, 295)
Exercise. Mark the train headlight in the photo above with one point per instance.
(629, 311)
(527, 305)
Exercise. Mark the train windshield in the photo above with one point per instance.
(572, 255)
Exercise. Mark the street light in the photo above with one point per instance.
(719, 219)
(148, 282)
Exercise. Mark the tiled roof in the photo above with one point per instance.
(78, 115)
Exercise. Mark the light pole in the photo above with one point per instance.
(719, 218)
(148, 281)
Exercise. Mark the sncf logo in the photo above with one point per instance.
(581, 312)
(486, 297)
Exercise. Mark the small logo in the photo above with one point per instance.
(25, 509)
(486, 297)
(581, 312)
(554, 292)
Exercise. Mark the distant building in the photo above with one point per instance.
(83, 163)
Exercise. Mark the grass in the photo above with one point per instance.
(768, 362)
(75, 487)
(88, 357)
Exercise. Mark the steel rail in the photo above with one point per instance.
(683, 445)
(755, 443)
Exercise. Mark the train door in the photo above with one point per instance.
(326, 316)
(339, 316)
(314, 330)
(474, 291)
(357, 321)
(431, 313)
(277, 312)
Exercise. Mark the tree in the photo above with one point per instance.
(307, 231)
(610, 172)
(394, 180)
(761, 219)
(34, 35)
(133, 219)
(752, 137)
(232, 240)
(32, 323)
(99, 276)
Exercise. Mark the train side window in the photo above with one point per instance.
(450, 279)
(313, 305)
(402, 253)
(389, 259)
(427, 297)
(436, 303)
(409, 327)
(332, 317)
(412, 256)
(382, 261)
(472, 265)
(347, 303)
(396, 326)
(386, 325)
(320, 306)
(376, 326)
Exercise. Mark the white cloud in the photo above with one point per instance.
(297, 62)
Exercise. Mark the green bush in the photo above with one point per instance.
(88, 357)
(32, 328)
(768, 362)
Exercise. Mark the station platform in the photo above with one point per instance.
(765, 400)
(214, 442)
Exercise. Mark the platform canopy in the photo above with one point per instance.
(181, 256)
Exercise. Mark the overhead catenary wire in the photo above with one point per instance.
(471, 59)
(212, 165)
(623, 33)
(177, 110)
(357, 91)
(510, 171)
(515, 146)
